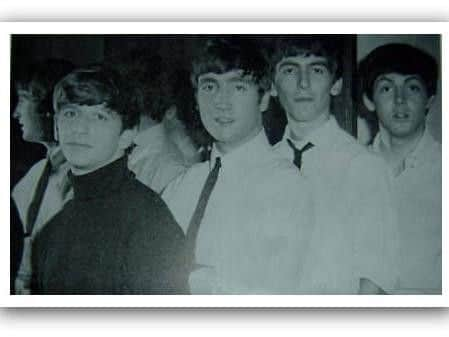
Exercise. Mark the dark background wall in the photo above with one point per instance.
(87, 49)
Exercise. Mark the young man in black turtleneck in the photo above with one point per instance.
(116, 236)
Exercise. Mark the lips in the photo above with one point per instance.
(224, 120)
(401, 116)
(303, 99)
(78, 145)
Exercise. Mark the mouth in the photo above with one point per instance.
(401, 116)
(303, 99)
(224, 121)
(78, 145)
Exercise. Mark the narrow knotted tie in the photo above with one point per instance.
(197, 217)
(298, 152)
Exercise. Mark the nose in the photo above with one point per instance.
(303, 79)
(399, 95)
(223, 99)
(80, 125)
(16, 113)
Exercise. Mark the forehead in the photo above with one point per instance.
(88, 109)
(229, 76)
(398, 78)
(25, 94)
(303, 60)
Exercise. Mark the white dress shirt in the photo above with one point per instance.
(57, 193)
(256, 226)
(155, 159)
(416, 182)
(355, 228)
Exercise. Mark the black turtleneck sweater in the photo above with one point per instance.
(115, 237)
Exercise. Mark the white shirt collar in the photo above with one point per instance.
(414, 158)
(152, 135)
(324, 135)
(249, 154)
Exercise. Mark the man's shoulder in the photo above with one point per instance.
(31, 177)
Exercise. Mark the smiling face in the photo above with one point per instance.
(401, 103)
(305, 85)
(90, 136)
(27, 114)
(230, 107)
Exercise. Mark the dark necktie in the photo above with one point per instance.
(195, 221)
(35, 204)
(298, 152)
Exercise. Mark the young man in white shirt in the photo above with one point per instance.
(352, 249)
(246, 213)
(36, 205)
(399, 85)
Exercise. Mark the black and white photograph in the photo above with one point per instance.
(226, 164)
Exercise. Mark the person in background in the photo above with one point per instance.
(353, 244)
(116, 236)
(42, 192)
(163, 148)
(246, 213)
(399, 84)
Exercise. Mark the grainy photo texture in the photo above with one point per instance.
(226, 164)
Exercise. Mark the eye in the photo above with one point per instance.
(384, 88)
(208, 87)
(319, 70)
(416, 88)
(101, 117)
(241, 87)
(69, 113)
(287, 69)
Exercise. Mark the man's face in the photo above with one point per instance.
(89, 136)
(401, 103)
(229, 105)
(304, 85)
(27, 114)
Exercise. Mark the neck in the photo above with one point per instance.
(227, 147)
(78, 171)
(50, 146)
(146, 122)
(301, 129)
(397, 148)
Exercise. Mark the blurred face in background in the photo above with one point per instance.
(30, 120)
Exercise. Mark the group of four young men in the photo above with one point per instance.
(315, 214)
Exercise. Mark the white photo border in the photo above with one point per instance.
(210, 301)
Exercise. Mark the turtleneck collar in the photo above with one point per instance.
(101, 182)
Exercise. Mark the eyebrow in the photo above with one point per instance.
(236, 78)
(315, 63)
(408, 79)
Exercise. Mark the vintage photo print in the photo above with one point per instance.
(274, 165)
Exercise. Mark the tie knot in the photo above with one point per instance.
(217, 163)
(306, 147)
(298, 152)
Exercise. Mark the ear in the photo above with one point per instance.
(264, 101)
(171, 112)
(369, 104)
(430, 103)
(273, 91)
(336, 87)
(127, 138)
